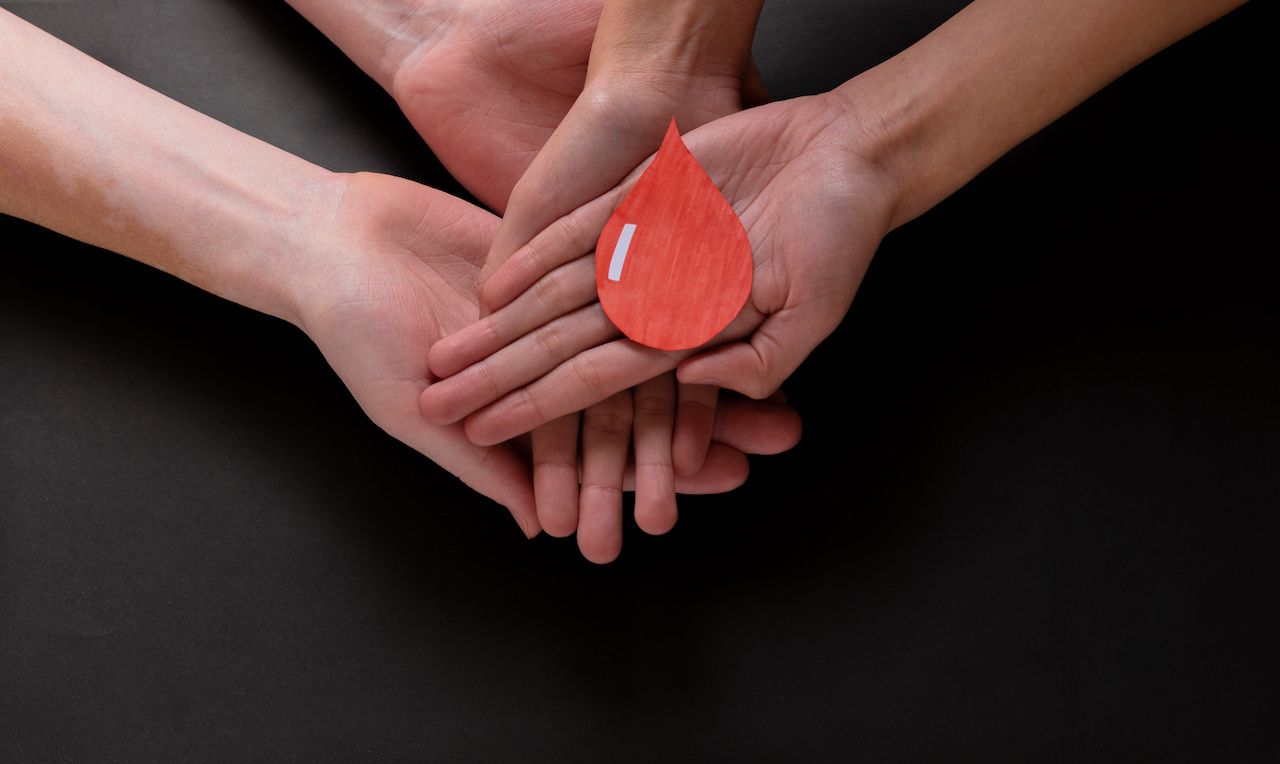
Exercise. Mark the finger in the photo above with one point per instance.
(724, 469)
(606, 442)
(742, 426)
(563, 291)
(583, 380)
(758, 367)
(520, 363)
(567, 239)
(756, 427)
(695, 419)
(555, 475)
(655, 404)
(595, 146)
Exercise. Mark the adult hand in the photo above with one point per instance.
(375, 269)
(486, 91)
(489, 81)
(818, 182)
(392, 271)
(815, 205)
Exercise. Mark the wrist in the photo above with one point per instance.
(890, 122)
(861, 141)
(380, 36)
(686, 39)
(281, 246)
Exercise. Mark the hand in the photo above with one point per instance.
(815, 206)
(650, 62)
(490, 80)
(486, 90)
(391, 270)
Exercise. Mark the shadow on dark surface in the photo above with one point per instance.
(1033, 516)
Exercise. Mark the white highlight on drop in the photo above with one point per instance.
(620, 252)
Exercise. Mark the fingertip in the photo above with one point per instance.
(496, 423)
(790, 429)
(507, 282)
(443, 359)
(758, 427)
(598, 543)
(730, 465)
(439, 405)
(657, 515)
(781, 428)
(692, 437)
(556, 496)
(525, 513)
(599, 556)
(493, 295)
(688, 454)
(531, 530)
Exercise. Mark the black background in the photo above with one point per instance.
(1034, 522)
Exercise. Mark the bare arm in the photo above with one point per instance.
(998, 72)
(89, 153)
(818, 182)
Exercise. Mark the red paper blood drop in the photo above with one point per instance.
(673, 264)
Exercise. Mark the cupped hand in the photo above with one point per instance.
(801, 174)
(392, 270)
(498, 81)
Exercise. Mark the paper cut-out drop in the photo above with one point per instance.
(673, 264)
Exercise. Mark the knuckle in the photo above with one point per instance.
(562, 461)
(609, 492)
(493, 331)
(548, 341)
(573, 231)
(531, 261)
(650, 405)
(527, 400)
(487, 379)
(551, 295)
(585, 372)
(608, 423)
(659, 460)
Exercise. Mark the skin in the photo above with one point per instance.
(649, 62)
(536, 118)
(817, 182)
(374, 269)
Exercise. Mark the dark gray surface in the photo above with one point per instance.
(1037, 523)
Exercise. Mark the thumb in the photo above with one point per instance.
(758, 367)
(597, 144)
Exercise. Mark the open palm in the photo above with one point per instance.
(814, 213)
(394, 272)
(401, 264)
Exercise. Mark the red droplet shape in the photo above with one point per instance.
(673, 264)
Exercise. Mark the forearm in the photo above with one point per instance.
(378, 35)
(996, 73)
(686, 38)
(94, 155)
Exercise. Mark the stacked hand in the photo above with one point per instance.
(393, 269)
(816, 181)
(814, 209)
(457, 332)
(506, 80)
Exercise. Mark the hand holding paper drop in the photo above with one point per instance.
(673, 264)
